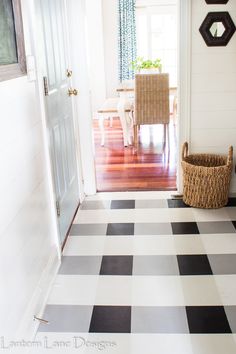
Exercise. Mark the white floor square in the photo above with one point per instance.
(73, 290)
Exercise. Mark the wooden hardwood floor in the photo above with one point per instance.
(130, 169)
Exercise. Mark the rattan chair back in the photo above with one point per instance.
(152, 99)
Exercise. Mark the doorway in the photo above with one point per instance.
(150, 167)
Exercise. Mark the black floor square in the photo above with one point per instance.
(122, 204)
(179, 228)
(231, 202)
(234, 223)
(194, 265)
(120, 229)
(111, 319)
(207, 319)
(177, 203)
(116, 265)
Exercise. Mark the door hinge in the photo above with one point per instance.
(58, 208)
(45, 85)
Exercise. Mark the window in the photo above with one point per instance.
(12, 53)
(157, 36)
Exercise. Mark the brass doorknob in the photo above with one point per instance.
(72, 92)
(68, 73)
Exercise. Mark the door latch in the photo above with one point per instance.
(72, 92)
(58, 208)
(41, 320)
(68, 73)
(45, 85)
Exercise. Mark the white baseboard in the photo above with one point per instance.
(28, 326)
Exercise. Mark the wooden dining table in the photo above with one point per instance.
(173, 90)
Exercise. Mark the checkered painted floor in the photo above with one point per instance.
(144, 273)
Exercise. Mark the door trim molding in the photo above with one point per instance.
(184, 80)
(76, 27)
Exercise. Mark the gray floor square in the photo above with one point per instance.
(83, 265)
(95, 204)
(118, 229)
(151, 204)
(88, 230)
(155, 265)
(222, 263)
(67, 318)
(159, 320)
(216, 227)
(122, 204)
(231, 316)
(152, 229)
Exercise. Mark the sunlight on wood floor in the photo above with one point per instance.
(120, 168)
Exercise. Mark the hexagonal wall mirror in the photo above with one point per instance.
(217, 29)
(217, 1)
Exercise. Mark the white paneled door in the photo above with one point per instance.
(60, 112)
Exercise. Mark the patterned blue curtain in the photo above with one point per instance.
(127, 39)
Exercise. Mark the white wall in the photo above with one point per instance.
(102, 38)
(213, 93)
(95, 48)
(27, 229)
(110, 32)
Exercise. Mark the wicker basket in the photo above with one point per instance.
(206, 178)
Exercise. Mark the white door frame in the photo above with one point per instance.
(184, 80)
(76, 12)
(80, 170)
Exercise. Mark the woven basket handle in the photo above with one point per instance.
(230, 156)
(184, 150)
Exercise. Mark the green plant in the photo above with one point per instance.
(157, 63)
(140, 63)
